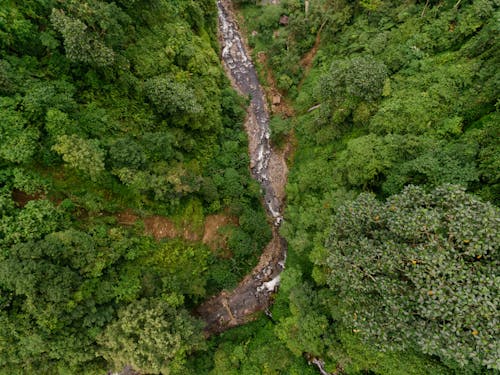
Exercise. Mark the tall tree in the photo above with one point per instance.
(418, 271)
(152, 337)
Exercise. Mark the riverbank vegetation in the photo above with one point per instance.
(107, 110)
(392, 216)
(114, 110)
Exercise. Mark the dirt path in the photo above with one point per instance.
(307, 61)
(254, 293)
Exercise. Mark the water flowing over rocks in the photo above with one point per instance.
(244, 78)
(254, 293)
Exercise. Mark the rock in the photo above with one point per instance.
(276, 99)
(284, 20)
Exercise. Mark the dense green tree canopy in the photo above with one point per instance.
(152, 337)
(397, 94)
(117, 111)
(418, 270)
(111, 107)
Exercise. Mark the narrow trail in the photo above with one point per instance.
(254, 292)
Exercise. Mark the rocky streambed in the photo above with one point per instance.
(268, 167)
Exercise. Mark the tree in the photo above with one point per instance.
(58, 123)
(44, 95)
(82, 154)
(361, 77)
(126, 152)
(349, 83)
(171, 97)
(18, 139)
(44, 280)
(81, 45)
(159, 145)
(152, 337)
(366, 159)
(35, 220)
(6, 85)
(58, 293)
(371, 5)
(304, 329)
(420, 270)
(180, 266)
(441, 163)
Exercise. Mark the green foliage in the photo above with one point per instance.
(398, 94)
(79, 44)
(360, 77)
(37, 219)
(371, 5)
(81, 154)
(180, 267)
(58, 123)
(356, 357)
(366, 159)
(280, 129)
(90, 32)
(127, 153)
(348, 89)
(58, 291)
(440, 163)
(42, 96)
(250, 349)
(304, 329)
(170, 97)
(152, 337)
(18, 139)
(142, 82)
(405, 268)
(131, 98)
(489, 155)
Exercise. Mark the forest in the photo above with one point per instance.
(122, 146)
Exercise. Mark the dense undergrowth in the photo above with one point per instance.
(107, 107)
(392, 219)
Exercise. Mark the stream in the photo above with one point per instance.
(268, 167)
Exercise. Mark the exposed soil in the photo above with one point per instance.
(279, 102)
(127, 217)
(212, 236)
(162, 227)
(252, 295)
(279, 170)
(21, 198)
(307, 61)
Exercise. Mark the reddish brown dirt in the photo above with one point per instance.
(126, 217)
(162, 227)
(279, 170)
(307, 60)
(212, 235)
(21, 198)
